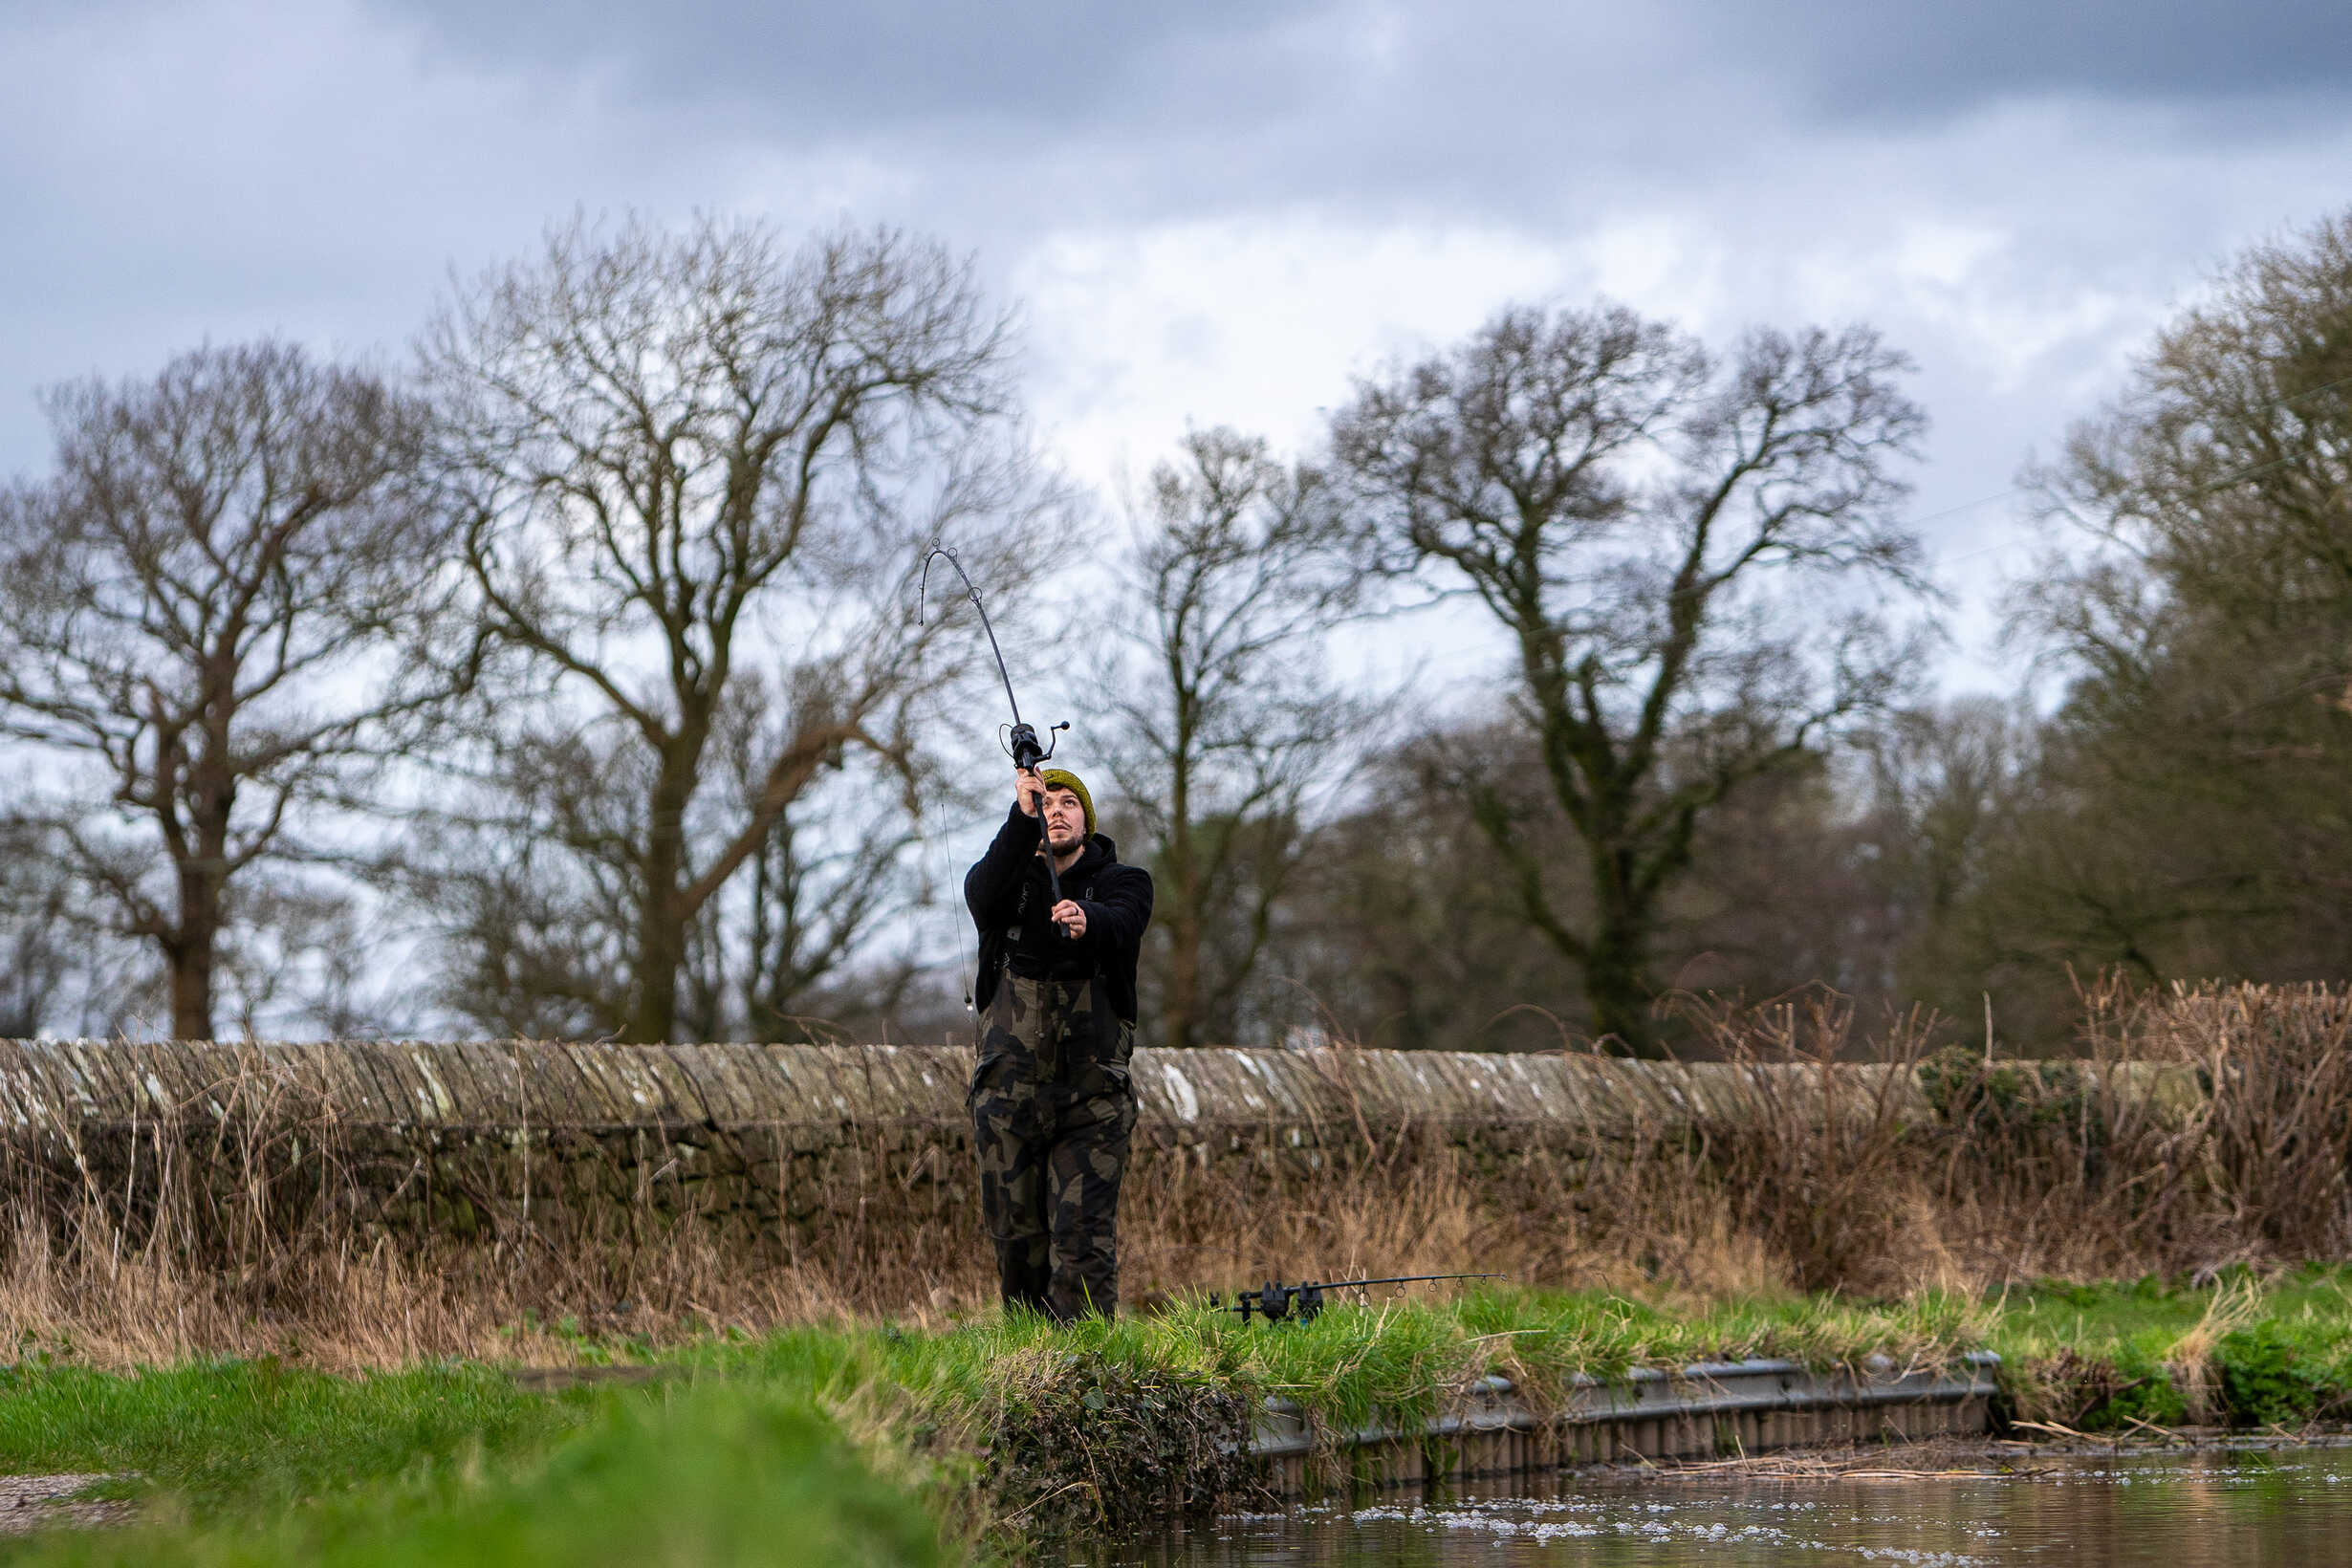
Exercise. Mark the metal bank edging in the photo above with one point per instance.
(1704, 1388)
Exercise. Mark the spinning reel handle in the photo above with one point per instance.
(1025, 751)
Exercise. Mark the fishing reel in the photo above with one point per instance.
(1276, 1303)
(1022, 745)
(1280, 1303)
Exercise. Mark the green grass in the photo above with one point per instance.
(257, 1434)
(715, 1476)
(246, 1434)
(2087, 1315)
(1397, 1357)
(860, 1445)
(2103, 1357)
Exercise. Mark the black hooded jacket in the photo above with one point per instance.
(1007, 893)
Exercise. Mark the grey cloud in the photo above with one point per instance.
(1873, 58)
(1078, 65)
(1532, 115)
(332, 215)
(852, 69)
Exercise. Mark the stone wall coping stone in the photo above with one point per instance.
(551, 1085)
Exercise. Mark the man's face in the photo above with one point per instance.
(1065, 820)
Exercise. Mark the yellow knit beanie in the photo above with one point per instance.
(1065, 778)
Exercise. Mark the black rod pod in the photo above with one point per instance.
(1277, 1302)
(1022, 742)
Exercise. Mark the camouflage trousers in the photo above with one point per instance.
(1051, 1112)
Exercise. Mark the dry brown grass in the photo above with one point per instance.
(2232, 1307)
(2200, 1129)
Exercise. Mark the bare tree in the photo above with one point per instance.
(777, 956)
(1942, 791)
(39, 950)
(1618, 499)
(2189, 817)
(1230, 723)
(679, 460)
(1404, 928)
(201, 606)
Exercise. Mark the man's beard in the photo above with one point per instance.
(1063, 846)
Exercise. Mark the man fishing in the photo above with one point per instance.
(1051, 1103)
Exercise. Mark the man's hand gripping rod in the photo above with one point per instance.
(1022, 743)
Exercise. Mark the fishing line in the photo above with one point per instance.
(2199, 493)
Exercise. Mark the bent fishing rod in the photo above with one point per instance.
(1022, 742)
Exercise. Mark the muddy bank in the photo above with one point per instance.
(56, 1502)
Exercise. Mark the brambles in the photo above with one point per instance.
(2265, 1380)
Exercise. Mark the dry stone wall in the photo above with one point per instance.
(829, 1091)
(459, 1137)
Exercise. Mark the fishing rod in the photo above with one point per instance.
(1021, 744)
(1276, 1303)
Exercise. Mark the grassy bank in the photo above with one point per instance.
(878, 1445)
(717, 1476)
(2242, 1352)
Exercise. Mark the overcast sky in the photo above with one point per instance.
(1212, 212)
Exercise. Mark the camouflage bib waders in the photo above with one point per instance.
(1052, 1110)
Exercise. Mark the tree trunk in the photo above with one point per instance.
(1617, 958)
(661, 951)
(1183, 978)
(661, 931)
(1183, 923)
(190, 955)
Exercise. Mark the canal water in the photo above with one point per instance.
(2212, 1510)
